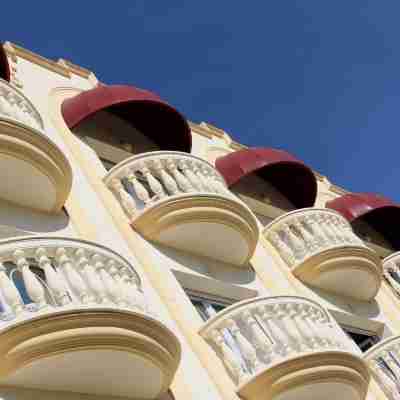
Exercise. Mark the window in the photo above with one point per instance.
(363, 339)
(206, 308)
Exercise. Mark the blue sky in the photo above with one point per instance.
(320, 79)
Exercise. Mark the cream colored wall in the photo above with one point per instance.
(94, 215)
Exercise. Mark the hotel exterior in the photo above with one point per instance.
(143, 256)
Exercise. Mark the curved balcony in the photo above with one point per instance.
(286, 348)
(34, 171)
(384, 362)
(175, 199)
(77, 309)
(321, 249)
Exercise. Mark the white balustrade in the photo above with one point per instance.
(391, 271)
(15, 106)
(266, 331)
(141, 181)
(301, 234)
(384, 362)
(46, 274)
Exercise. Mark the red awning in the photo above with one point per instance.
(4, 66)
(378, 211)
(289, 175)
(144, 110)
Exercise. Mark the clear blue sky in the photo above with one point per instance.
(318, 78)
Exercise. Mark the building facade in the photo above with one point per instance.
(143, 256)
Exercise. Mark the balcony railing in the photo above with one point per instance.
(384, 362)
(391, 271)
(16, 107)
(321, 249)
(141, 181)
(255, 336)
(43, 275)
(303, 233)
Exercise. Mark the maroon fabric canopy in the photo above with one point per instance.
(143, 109)
(289, 175)
(4, 66)
(378, 211)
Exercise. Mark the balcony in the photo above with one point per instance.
(34, 171)
(77, 309)
(175, 199)
(320, 248)
(286, 348)
(384, 362)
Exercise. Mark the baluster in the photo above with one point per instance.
(288, 315)
(185, 166)
(260, 340)
(323, 326)
(167, 180)
(281, 345)
(123, 298)
(33, 287)
(319, 238)
(127, 202)
(283, 249)
(75, 281)
(154, 184)
(325, 226)
(110, 282)
(201, 178)
(340, 233)
(392, 364)
(140, 190)
(349, 233)
(53, 279)
(134, 293)
(229, 358)
(306, 330)
(209, 178)
(5, 107)
(103, 277)
(10, 292)
(90, 274)
(30, 120)
(180, 179)
(388, 384)
(387, 268)
(294, 242)
(246, 348)
(308, 239)
(311, 318)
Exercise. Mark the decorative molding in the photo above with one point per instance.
(13, 63)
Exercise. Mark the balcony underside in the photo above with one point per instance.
(208, 225)
(318, 376)
(34, 173)
(349, 271)
(98, 351)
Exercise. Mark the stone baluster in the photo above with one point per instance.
(283, 249)
(281, 345)
(5, 108)
(294, 242)
(127, 202)
(123, 298)
(349, 233)
(209, 178)
(325, 226)
(29, 118)
(140, 190)
(229, 358)
(319, 238)
(340, 233)
(308, 239)
(153, 183)
(185, 167)
(325, 328)
(136, 298)
(10, 292)
(54, 281)
(167, 180)
(387, 268)
(201, 178)
(312, 318)
(75, 281)
(246, 348)
(220, 185)
(89, 274)
(181, 180)
(389, 386)
(261, 341)
(33, 287)
(394, 367)
(306, 329)
(111, 285)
